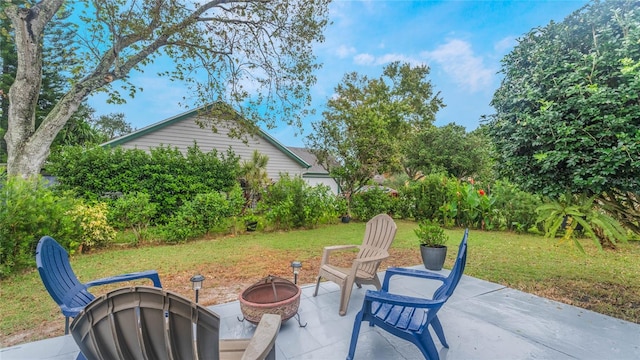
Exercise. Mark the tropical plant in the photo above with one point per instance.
(430, 234)
(256, 178)
(580, 213)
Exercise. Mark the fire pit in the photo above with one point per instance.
(270, 295)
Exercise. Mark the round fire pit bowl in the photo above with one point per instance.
(270, 295)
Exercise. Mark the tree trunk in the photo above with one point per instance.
(26, 155)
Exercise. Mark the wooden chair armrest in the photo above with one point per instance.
(264, 338)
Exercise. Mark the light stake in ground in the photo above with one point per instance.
(196, 284)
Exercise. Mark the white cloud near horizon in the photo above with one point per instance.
(458, 60)
(344, 51)
(368, 59)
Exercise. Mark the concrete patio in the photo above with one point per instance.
(482, 320)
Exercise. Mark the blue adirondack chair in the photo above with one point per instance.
(63, 284)
(409, 317)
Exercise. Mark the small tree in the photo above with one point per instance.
(254, 173)
(366, 124)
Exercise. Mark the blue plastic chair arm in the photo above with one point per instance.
(70, 311)
(150, 274)
(409, 272)
(402, 300)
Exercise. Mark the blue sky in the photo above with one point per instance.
(462, 41)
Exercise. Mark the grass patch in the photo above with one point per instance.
(604, 281)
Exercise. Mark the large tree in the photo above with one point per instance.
(450, 149)
(368, 121)
(568, 109)
(57, 42)
(254, 54)
(111, 126)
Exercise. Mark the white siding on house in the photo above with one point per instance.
(182, 134)
(313, 181)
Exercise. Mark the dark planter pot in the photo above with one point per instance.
(252, 225)
(346, 219)
(433, 257)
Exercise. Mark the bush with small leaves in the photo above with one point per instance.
(133, 211)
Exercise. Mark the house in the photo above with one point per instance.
(316, 174)
(181, 131)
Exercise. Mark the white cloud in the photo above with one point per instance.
(368, 59)
(344, 51)
(364, 59)
(465, 68)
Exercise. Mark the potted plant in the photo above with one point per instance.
(432, 239)
(251, 221)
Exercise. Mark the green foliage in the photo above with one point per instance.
(431, 197)
(111, 125)
(476, 207)
(30, 210)
(254, 174)
(449, 149)
(430, 234)
(366, 124)
(291, 203)
(133, 211)
(369, 202)
(169, 177)
(573, 214)
(516, 208)
(94, 229)
(567, 115)
(205, 212)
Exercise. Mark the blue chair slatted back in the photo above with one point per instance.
(58, 277)
(449, 285)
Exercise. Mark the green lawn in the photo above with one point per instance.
(603, 281)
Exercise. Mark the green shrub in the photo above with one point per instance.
(169, 177)
(133, 211)
(322, 206)
(179, 229)
(292, 203)
(516, 208)
(367, 204)
(432, 197)
(206, 212)
(28, 211)
(93, 228)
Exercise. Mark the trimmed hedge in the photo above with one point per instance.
(169, 177)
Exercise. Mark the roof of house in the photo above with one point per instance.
(191, 113)
(310, 158)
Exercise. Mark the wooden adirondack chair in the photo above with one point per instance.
(379, 234)
(409, 317)
(63, 285)
(150, 323)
